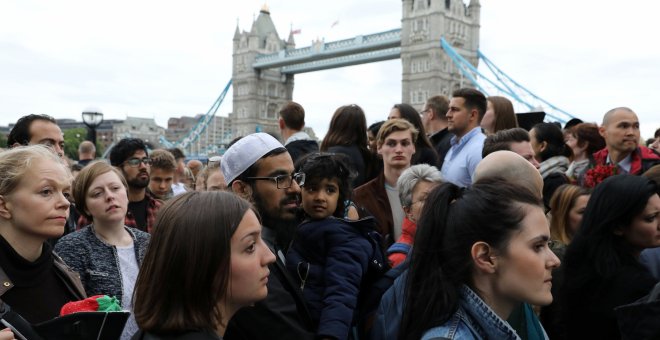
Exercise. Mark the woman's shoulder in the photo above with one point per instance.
(456, 328)
(190, 335)
(139, 235)
(75, 240)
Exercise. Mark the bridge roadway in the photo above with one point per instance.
(361, 49)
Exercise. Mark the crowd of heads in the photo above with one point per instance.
(549, 200)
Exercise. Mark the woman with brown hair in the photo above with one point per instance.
(584, 140)
(499, 115)
(206, 260)
(347, 135)
(567, 206)
(106, 254)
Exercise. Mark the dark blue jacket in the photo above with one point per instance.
(330, 257)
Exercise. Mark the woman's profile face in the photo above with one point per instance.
(106, 198)
(394, 113)
(250, 258)
(488, 121)
(524, 271)
(644, 231)
(39, 206)
(575, 214)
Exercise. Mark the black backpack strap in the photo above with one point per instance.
(22, 329)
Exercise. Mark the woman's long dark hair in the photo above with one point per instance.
(596, 252)
(186, 270)
(453, 219)
(551, 133)
(409, 113)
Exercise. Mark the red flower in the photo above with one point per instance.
(598, 174)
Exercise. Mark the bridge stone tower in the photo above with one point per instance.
(426, 68)
(258, 94)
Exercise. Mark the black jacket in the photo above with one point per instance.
(282, 315)
(441, 142)
(299, 148)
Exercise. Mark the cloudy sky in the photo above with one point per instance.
(165, 59)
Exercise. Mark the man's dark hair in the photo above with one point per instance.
(474, 99)
(253, 169)
(125, 148)
(375, 127)
(177, 153)
(20, 133)
(501, 140)
(293, 115)
(439, 104)
(319, 166)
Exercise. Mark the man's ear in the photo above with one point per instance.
(242, 189)
(601, 131)
(543, 146)
(485, 260)
(280, 121)
(5, 208)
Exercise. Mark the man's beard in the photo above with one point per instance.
(284, 229)
(137, 182)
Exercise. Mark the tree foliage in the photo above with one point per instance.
(72, 139)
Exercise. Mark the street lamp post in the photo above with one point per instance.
(92, 118)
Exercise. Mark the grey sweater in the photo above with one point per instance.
(96, 261)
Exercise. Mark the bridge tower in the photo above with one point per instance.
(258, 94)
(426, 68)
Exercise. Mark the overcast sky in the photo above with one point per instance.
(165, 59)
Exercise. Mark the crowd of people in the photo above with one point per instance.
(455, 222)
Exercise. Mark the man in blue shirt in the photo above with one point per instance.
(466, 108)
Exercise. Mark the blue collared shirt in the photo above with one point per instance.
(463, 157)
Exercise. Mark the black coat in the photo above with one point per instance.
(441, 142)
(588, 311)
(299, 148)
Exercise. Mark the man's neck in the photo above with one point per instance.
(469, 128)
(617, 156)
(392, 175)
(286, 133)
(136, 194)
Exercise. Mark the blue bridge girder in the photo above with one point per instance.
(320, 56)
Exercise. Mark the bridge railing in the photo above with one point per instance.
(321, 50)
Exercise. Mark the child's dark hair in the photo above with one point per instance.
(322, 165)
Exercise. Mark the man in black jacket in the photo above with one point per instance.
(258, 168)
(292, 121)
(435, 123)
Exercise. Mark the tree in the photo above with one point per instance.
(72, 139)
(3, 140)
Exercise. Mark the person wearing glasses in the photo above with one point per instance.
(435, 123)
(258, 168)
(131, 157)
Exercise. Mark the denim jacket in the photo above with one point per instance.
(473, 320)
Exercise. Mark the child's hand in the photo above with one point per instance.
(6, 334)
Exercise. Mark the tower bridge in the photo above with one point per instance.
(438, 44)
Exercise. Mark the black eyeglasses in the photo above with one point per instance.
(135, 162)
(284, 181)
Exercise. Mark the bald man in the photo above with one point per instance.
(512, 167)
(620, 129)
(195, 166)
